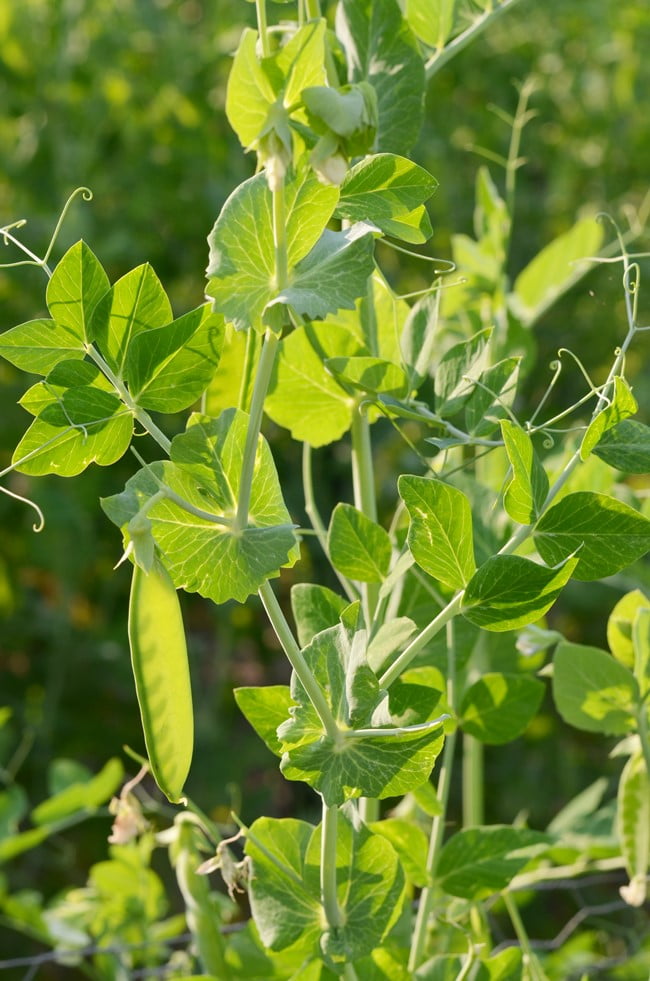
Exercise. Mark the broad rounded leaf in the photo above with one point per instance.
(606, 534)
(593, 691)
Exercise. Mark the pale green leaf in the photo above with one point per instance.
(554, 270)
(232, 383)
(417, 343)
(431, 20)
(382, 50)
(333, 275)
(381, 764)
(201, 554)
(241, 269)
(606, 534)
(509, 591)
(390, 638)
(285, 906)
(440, 532)
(81, 796)
(168, 368)
(458, 370)
(641, 642)
(137, 302)
(78, 422)
(303, 395)
(357, 546)
(410, 843)
(619, 626)
(593, 691)
(626, 447)
(75, 287)
(498, 707)
(622, 405)
(477, 862)
(493, 394)
(386, 189)
(370, 887)
(250, 92)
(38, 345)
(266, 709)
(526, 492)
(314, 608)
(371, 375)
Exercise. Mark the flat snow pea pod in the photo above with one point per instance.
(162, 678)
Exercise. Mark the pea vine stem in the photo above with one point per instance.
(438, 825)
(333, 913)
(297, 660)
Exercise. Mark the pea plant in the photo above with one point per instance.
(434, 641)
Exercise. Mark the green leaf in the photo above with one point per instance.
(417, 343)
(457, 371)
(241, 269)
(285, 906)
(137, 302)
(385, 763)
(477, 862)
(357, 546)
(606, 534)
(382, 188)
(303, 395)
(440, 532)
(431, 20)
(75, 287)
(203, 555)
(86, 796)
(168, 368)
(390, 638)
(266, 709)
(333, 275)
(370, 887)
(257, 88)
(626, 447)
(492, 396)
(415, 227)
(498, 707)
(232, 383)
(314, 608)
(285, 886)
(79, 421)
(505, 966)
(410, 843)
(526, 492)
(39, 345)
(508, 591)
(633, 827)
(370, 375)
(382, 50)
(622, 405)
(619, 626)
(592, 691)
(553, 270)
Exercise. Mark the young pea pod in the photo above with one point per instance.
(162, 679)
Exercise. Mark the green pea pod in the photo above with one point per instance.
(162, 678)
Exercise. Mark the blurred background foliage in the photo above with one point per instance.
(126, 97)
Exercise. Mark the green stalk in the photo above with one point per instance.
(262, 378)
(297, 661)
(199, 911)
(441, 57)
(313, 9)
(531, 965)
(333, 913)
(438, 825)
(250, 358)
(363, 482)
(401, 663)
(260, 6)
(143, 417)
